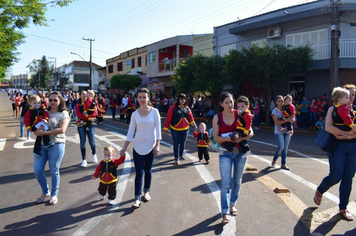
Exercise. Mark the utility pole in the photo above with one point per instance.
(90, 62)
(335, 34)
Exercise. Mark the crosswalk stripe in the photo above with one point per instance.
(2, 144)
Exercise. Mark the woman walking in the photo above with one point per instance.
(87, 129)
(179, 117)
(146, 126)
(342, 162)
(231, 163)
(282, 138)
(57, 123)
(24, 106)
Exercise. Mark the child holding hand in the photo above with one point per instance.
(108, 174)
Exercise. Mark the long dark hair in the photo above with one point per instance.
(181, 95)
(145, 90)
(62, 102)
(25, 98)
(222, 98)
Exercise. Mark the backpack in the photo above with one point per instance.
(214, 144)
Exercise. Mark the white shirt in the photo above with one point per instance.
(125, 101)
(148, 130)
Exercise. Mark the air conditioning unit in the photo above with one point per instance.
(164, 50)
(275, 32)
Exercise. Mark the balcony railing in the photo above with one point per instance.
(163, 66)
(323, 50)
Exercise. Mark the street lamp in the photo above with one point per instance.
(89, 67)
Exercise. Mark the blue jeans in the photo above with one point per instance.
(282, 149)
(228, 162)
(179, 140)
(22, 126)
(342, 167)
(113, 112)
(54, 157)
(143, 164)
(82, 131)
(312, 118)
(256, 120)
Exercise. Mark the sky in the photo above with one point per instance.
(121, 25)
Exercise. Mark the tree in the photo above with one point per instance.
(266, 66)
(202, 73)
(41, 73)
(125, 82)
(14, 16)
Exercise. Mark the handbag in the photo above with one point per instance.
(214, 144)
(326, 141)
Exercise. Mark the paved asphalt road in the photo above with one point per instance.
(185, 198)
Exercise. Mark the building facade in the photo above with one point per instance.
(19, 81)
(312, 23)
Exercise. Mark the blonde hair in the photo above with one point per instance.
(349, 86)
(202, 123)
(34, 97)
(110, 149)
(288, 96)
(91, 92)
(338, 93)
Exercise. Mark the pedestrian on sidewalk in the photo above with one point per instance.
(145, 125)
(87, 129)
(231, 162)
(106, 170)
(58, 123)
(179, 117)
(282, 137)
(342, 162)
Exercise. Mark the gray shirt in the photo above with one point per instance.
(279, 115)
(53, 123)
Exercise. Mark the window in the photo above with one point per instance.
(311, 37)
(259, 43)
(224, 50)
(133, 63)
(111, 69)
(145, 60)
(185, 53)
(119, 66)
(139, 61)
(152, 57)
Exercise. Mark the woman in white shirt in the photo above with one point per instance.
(146, 123)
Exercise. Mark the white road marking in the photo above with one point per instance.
(74, 139)
(121, 186)
(2, 143)
(21, 144)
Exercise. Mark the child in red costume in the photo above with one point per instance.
(203, 142)
(37, 118)
(288, 111)
(89, 107)
(341, 115)
(108, 174)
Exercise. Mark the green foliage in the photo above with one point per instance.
(125, 82)
(41, 73)
(201, 73)
(16, 15)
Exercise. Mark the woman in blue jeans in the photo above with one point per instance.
(342, 162)
(145, 125)
(282, 138)
(58, 123)
(24, 106)
(230, 161)
(88, 129)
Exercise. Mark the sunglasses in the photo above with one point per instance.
(53, 100)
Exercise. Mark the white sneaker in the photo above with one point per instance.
(147, 197)
(136, 204)
(102, 197)
(95, 158)
(84, 163)
(111, 202)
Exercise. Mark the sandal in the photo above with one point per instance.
(317, 197)
(225, 219)
(347, 215)
(233, 211)
(42, 198)
(53, 200)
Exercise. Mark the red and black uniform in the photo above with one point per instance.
(343, 117)
(123, 112)
(243, 126)
(108, 176)
(31, 119)
(288, 111)
(79, 108)
(101, 110)
(203, 143)
(130, 109)
(114, 106)
(178, 118)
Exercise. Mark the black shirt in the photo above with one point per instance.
(25, 108)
